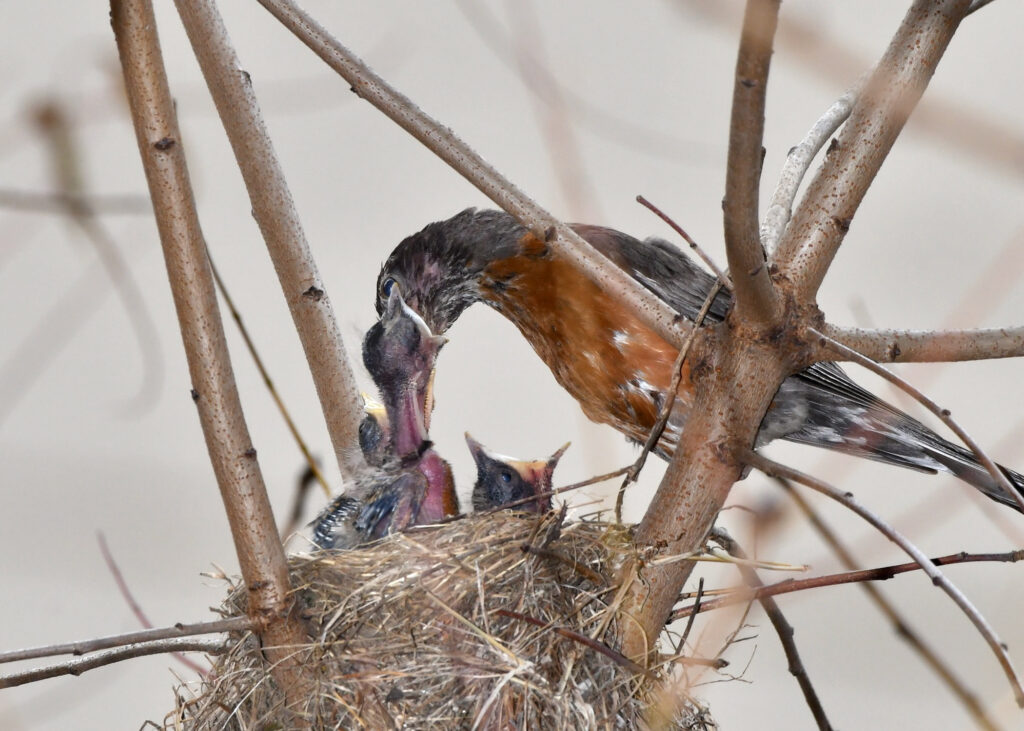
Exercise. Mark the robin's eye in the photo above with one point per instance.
(385, 289)
(506, 476)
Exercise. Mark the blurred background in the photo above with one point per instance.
(584, 105)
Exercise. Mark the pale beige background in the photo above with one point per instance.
(73, 463)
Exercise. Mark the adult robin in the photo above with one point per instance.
(617, 367)
(405, 482)
(502, 480)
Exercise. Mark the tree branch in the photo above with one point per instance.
(998, 648)
(274, 210)
(915, 346)
(260, 553)
(756, 298)
(81, 665)
(443, 142)
(891, 92)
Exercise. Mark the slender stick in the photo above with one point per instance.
(901, 625)
(944, 414)
(108, 657)
(282, 231)
(260, 553)
(443, 142)
(882, 573)
(775, 469)
(909, 346)
(782, 627)
(314, 469)
(756, 298)
(81, 647)
(798, 161)
(892, 91)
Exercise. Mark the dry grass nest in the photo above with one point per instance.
(494, 621)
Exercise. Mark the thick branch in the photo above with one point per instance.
(893, 89)
(756, 298)
(723, 419)
(916, 346)
(274, 210)
(443, 142)
(260, 553)
(938, 578)
(108, 657)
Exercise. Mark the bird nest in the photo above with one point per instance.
(493, 622)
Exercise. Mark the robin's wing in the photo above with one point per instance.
(660, 267)
(393, 504)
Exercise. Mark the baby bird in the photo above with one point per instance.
(502, 480)
(406, 481)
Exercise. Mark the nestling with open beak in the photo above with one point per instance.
(502, 480)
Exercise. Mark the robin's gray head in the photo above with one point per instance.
(439, 269)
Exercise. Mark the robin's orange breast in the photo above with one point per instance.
(614, 365)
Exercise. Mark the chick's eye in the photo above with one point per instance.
(388, 285)
(506, 476)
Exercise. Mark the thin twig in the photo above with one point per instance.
(756, 297)
(798, 161)
(443, 142)
(540, 495)
(882, 573)
(977, 5)
(943, 414)
(782, 628)
(136, 608)
(694, 246)
(998, 648)
(101, 204)
(680, 646)
(267, 381)
(910, 346)
(900, 624)
(670, 399)
(81, 665)
(81, 647)
(275, 213)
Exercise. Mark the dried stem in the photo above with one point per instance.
(757, 302)
(260, 553)
(775, 469)
(443, 142)
(782, 627)
(311, 464)
(911, 346)
(943, 414)
(282, 231)
(80, 665)
(890, 94)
